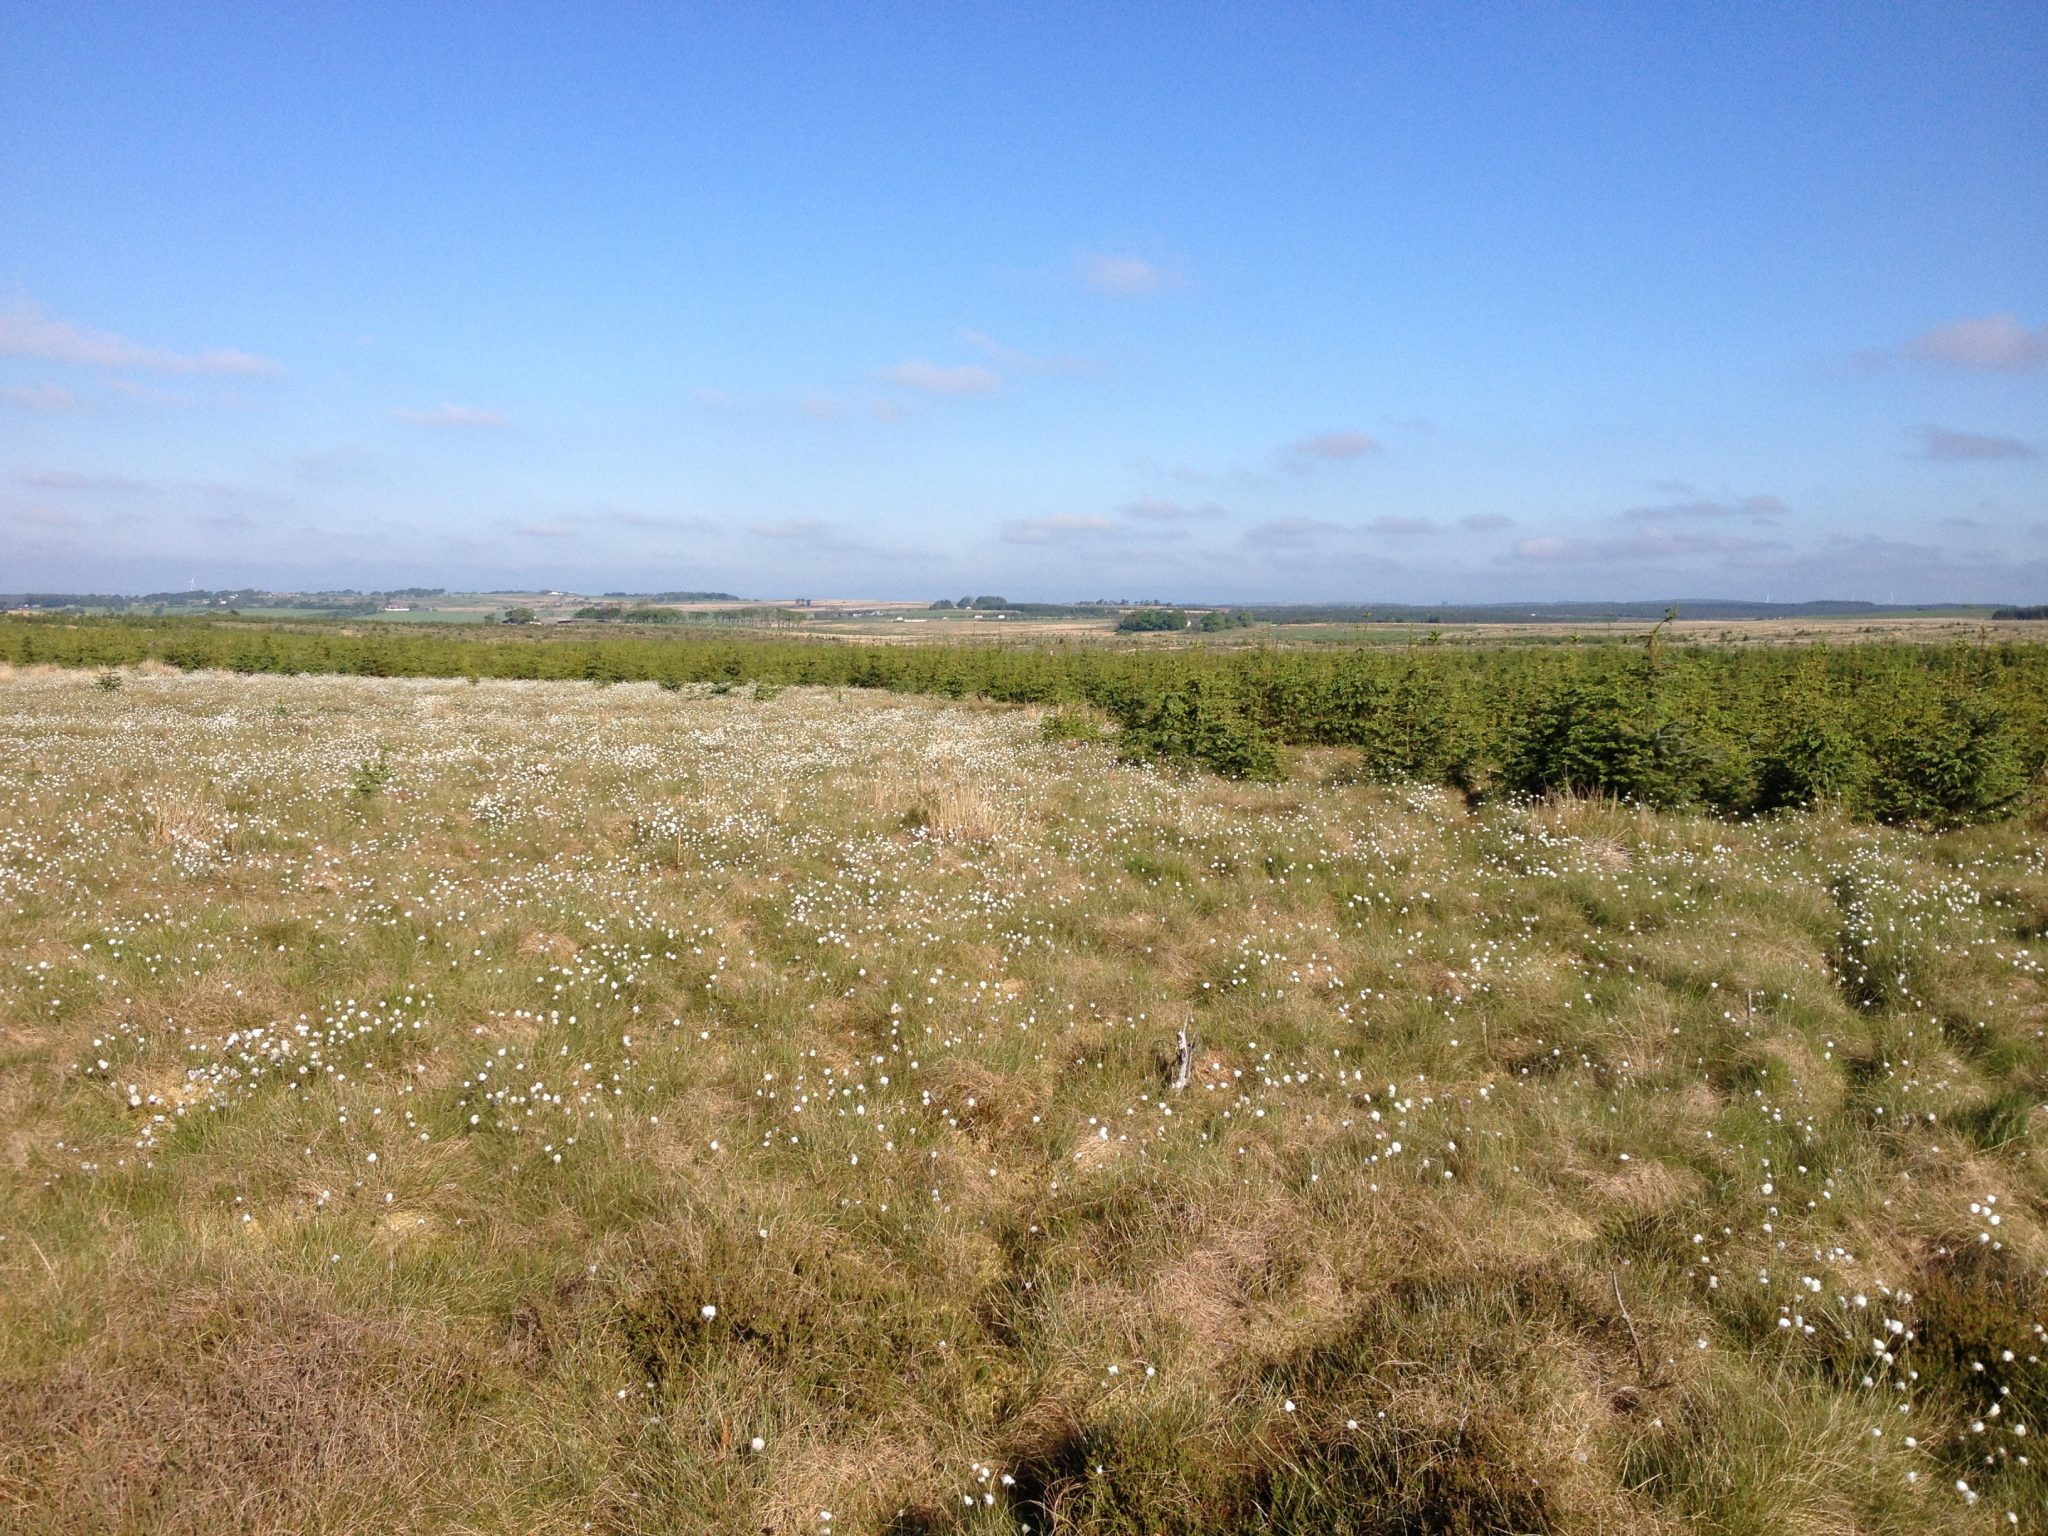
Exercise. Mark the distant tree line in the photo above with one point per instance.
(345, 601)
(1145, 620)
(644, 613)
(2037, 611)
(1152, 619)
(1890, 732)
(1029, 610)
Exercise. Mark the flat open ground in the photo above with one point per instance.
(542, 1107)
(1716, 632)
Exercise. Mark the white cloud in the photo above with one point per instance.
(26, 331)
(1016, 361)
(1123, 275)
(445, 417)
(1994, 343)
(1941, 444)
(943, 379)
(1650, 544)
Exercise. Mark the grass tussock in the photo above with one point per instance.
(640, 1109)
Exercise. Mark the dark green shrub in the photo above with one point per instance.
(1199, 724)
(1946, 762)
(1814, 758)
(1139, 620)
(1595, 736)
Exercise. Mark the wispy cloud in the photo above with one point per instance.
(929, 378)
(1873, 549)
(151, 395)
(660, 522)
(822, 405)
(1486, 522)
(1757, 508)
(1307, 453)
(79, 481)
(815, 536)
(40, 397)
(1292, 532)
(26, 331)
(1394, 526)
(793, 530)
(42, 517)
(1648, 545)
(454, 418)
(329, 464)
(1995, 343)
(1152, 509)
(1952, 447)
(1011, 360)
(1124, 275)
(1060, 528)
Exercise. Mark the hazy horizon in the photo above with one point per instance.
(1271, 305)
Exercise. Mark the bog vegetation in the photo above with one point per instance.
(539, 1107)
(1895, 733)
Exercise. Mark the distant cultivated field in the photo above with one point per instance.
(540, 1107)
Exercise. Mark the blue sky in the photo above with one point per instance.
(1207, 302)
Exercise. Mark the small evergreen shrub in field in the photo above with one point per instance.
(1948, 762)
(370, 777)
(1596, 736)
(1814, 759)
(1071, 722)
(1200, 725)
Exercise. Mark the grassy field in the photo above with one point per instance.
(544, 1107)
